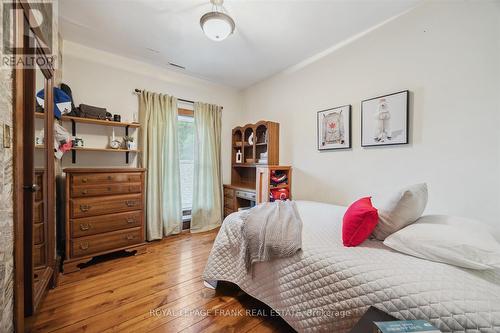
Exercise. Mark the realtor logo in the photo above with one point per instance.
(26, 52)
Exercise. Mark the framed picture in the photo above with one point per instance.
(384, 120)
(334, 128)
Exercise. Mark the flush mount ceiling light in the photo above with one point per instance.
(217, 25)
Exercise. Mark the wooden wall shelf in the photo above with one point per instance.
(75, 120)
(244, 165)
(100, 122)
(105, 150)
(93, 121)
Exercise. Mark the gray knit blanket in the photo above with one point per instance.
(271, 230)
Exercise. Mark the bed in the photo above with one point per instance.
(326, 287)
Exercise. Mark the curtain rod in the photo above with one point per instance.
(138, 91)
(179, 99)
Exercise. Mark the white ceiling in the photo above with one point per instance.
(269, 37)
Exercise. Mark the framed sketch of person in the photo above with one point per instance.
(334, 128)
(385, 120)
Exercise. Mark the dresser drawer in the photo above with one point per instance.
(104, 189)
(85, 246)
(227, 211)
(84, 207)
(105, 223)
(38, 232)
(229, 202)
(39, 258)
(104, 178)
(228, 192)
(38, 212)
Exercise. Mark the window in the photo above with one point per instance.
(186, 156)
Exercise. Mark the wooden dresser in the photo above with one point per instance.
(104, 213)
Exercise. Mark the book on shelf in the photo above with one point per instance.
(404, 326)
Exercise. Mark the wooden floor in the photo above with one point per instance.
(160, 291)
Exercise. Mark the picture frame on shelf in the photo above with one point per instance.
(334, 128)
(385, 120)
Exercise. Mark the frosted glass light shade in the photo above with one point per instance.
(217, 26)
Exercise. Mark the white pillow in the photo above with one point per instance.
(400, 210)
(455, 241)
(464, 222)
(495, 232)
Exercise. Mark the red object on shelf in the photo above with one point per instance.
(280, 193)
(278, 177)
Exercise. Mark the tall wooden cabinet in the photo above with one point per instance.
(255, 148)
(104, 213)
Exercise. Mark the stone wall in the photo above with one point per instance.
(6, 206)
(6, 203)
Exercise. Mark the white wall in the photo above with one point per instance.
(108, 80)
(447, 54)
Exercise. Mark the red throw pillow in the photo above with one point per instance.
(359, 221)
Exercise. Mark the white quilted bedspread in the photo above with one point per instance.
(326, 287)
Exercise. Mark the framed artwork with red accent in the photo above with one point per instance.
(334, 128)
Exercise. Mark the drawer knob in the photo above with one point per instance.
(130, 220)
(130, 203)
(84, 226)
(84, 208)
(109, 188)
(84, 246)
(84, 192)
(110, 177)
(130, 237)
(84, 180)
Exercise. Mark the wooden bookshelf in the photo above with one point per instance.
(265, 138)
(249, 175)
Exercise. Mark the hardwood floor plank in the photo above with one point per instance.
(99, 271)
(106, 321)
(171, 318)
(112, 297)
(160, 291)
(151, 271)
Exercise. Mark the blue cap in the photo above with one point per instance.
(62, 102)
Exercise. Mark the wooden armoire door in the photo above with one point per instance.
(34, 175)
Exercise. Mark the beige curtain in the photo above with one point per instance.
(207, 184)
(160, 156)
